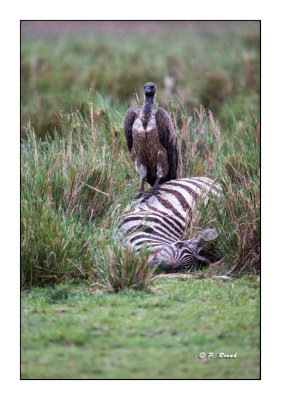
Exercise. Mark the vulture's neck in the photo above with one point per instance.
(147, 108)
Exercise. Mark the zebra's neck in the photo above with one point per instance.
(147, 108)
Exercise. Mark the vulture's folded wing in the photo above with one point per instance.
(128, 124)
(168, 139)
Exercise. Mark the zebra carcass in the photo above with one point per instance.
(159, 223)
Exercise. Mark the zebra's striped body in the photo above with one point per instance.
(160, 221)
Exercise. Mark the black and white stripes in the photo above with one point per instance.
(160, 221)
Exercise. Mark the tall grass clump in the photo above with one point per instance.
(232, 159)
(119, 267)
(52, 249)
(71, 186)
(237, 216)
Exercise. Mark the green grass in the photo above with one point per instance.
(217, 68)
(71, 332)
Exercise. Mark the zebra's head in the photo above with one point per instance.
(182, 253)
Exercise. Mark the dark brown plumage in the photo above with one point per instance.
(152, 141)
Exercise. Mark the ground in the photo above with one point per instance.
(77, 332)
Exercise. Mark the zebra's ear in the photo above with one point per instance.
(205, 235)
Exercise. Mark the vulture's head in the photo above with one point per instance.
(150, 89)
(182, 253)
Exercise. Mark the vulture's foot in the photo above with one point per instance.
(149, 193)
(139, 196)
(156, 184)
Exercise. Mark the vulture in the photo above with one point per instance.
(152, 141)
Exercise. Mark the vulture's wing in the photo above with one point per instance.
(168, 139)
(128, 124)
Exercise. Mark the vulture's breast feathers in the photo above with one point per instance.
(140, 127)
(146, 143)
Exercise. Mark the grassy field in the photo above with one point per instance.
(73, 332)
(77, 178)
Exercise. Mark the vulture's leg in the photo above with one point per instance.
(142, 172)
(142, 184)
(160, 174)
(156, 184)
(153, 190)
(141, 191)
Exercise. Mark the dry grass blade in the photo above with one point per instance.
(35, 147)
(174, 276)
(215, 128)
(128, 165)
(96, 189)
(92, 123)
(199, 130)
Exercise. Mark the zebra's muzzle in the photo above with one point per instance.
(152, 263)
(162, 265)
